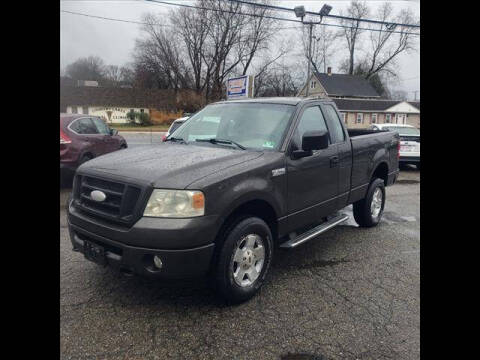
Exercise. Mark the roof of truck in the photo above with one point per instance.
(271, 100)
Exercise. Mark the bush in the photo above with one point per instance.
(144, 119)
(138, 118)
(131, 115)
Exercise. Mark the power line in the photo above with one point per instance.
(272, 17)
(221, 10)
(112, 19)
(202, 8)
(275, 7)
(142, 23)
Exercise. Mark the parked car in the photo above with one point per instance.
(174, 126)
(239, 179)
(84, 137)
(409, 142)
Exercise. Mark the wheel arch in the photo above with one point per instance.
(381, 172)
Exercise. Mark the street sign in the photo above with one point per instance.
(240, 87)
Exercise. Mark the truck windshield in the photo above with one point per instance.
(252, 125)
(403, 130)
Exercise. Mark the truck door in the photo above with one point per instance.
(339, 139)
(312, 180)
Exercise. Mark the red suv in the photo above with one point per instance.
(83, 137)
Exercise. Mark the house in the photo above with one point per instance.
(361, 113)
(359, 103)
(114, 103)
(339, 86)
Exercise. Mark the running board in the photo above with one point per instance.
(310, 234)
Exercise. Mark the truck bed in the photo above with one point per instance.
(367, 147)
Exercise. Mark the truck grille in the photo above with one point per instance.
(120, 204)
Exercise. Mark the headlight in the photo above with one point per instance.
(175, 204)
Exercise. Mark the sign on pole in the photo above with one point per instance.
(240, 87)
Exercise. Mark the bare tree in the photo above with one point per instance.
(193, 28)
(112, 75)
(160, 55)
(352, 30)
(385, 45)
(200, 48)
(89, 68)
(324, 48)
(127, 74)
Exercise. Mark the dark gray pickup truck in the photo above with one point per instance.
(236, 181)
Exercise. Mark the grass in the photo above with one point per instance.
(130, 127)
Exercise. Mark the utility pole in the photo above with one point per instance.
(300, 12)
(309, 57)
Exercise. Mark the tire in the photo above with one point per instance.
(362, 209)
(238, 240)
(123, 146)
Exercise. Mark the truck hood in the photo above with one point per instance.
(168, 165)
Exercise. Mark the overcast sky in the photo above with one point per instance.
(113, 41)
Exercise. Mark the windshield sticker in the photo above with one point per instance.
(269, 144)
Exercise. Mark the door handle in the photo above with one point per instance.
(334, 161)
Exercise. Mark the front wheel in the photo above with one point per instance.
(244, 259)
(368, 211)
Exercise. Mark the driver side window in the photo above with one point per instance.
(311, 120)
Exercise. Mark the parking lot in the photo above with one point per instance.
(351, 293)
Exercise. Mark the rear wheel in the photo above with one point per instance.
(244, 259)
(368, 211)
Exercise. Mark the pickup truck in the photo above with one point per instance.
(226, 190)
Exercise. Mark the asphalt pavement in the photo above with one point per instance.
(350, 293)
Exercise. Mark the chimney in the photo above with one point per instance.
(329, 71)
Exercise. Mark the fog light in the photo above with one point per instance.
(157, 261)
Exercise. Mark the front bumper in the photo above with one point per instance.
(177, 264)
(185, 246)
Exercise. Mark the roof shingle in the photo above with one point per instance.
(346, 85)
(368, 104)
(116, 96)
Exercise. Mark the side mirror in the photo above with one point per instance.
(315, 140)
(113, 132)
(312, 140)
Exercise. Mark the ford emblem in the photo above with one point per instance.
(98, 195)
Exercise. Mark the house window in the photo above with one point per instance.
(359, 118)
(374, 118)
(74, 110)
(387, 118)
(85, 110)
(313, 84)
(344, 117)
(141, 110)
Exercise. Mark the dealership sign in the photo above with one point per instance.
(240, 87)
